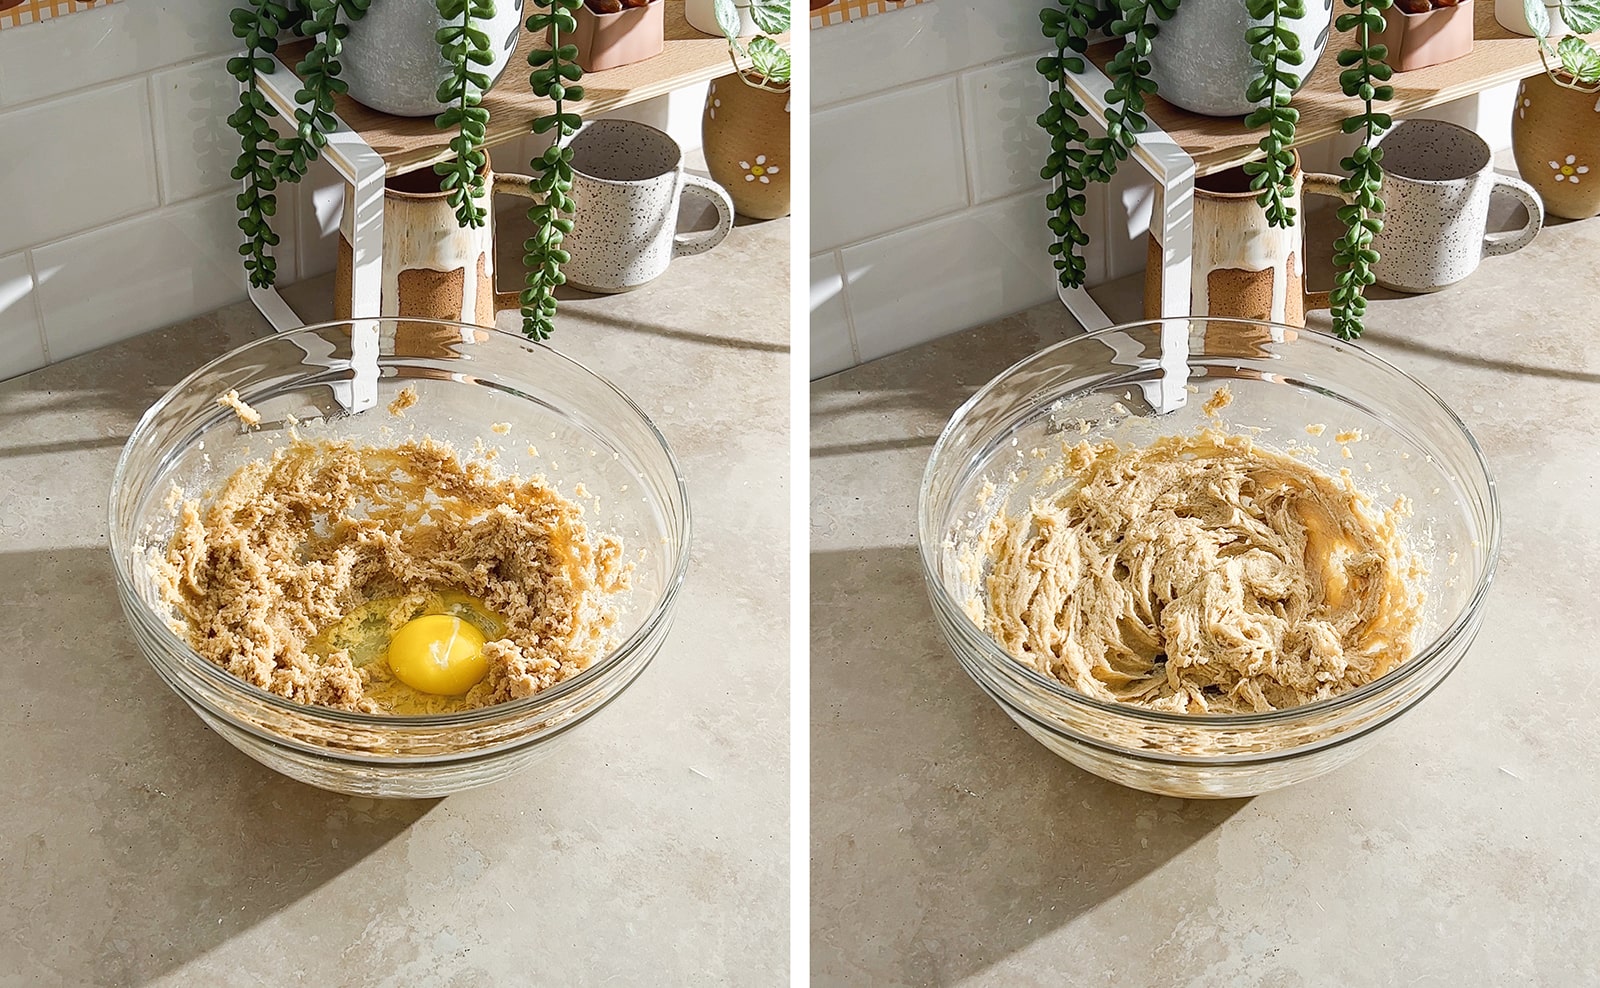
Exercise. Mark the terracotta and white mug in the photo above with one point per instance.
(433, 268)
(1243, 266)
(1437, 181)
(629, 180)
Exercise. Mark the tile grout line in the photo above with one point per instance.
(156, 121)
(104, 83)
(849, 313)
(142, 214)
(967, 141)
(948, 214)
(33, 268)
(38, 303)
(941, 77)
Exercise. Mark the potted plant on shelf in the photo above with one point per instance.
(1555, 129)
(745, 127)
(1421, 33)
(1275, 36)
(1513, 16)
(702, 15)
(619, 32)
(473, 42)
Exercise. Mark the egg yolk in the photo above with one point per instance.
(438, 654)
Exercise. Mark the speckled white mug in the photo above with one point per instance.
(628, 181)
(1437, 180)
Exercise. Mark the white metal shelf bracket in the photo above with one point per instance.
(362, 169)
(1173, 170)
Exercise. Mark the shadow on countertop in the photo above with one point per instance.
(944, 838)
(138, 840)
(921, 379)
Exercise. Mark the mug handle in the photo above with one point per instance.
(689, 244)
(1320, 184)
(1495, 244)
(511, 185)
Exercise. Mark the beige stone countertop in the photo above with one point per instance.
(139, 848)
(1463, 848)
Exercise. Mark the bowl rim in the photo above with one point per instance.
(996, 656)
(510, 710)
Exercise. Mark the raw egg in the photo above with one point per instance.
(439, 654)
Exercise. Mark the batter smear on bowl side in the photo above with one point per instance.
(1202, 574)
(391, 579)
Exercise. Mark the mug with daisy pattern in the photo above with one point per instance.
(1555, 137)
(1437, 180)
(628, 181)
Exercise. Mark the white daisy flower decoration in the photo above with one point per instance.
(760, 171)
(1569, 170)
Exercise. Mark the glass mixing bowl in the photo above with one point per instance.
(467, 379)
(1140, 381)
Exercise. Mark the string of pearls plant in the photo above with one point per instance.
(266, 159)
(1077, 157)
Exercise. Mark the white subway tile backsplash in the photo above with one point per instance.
(319, 204)
(1005, 145)
(141, 274)
(1130, 201)
(916, 43)
(831, 348)
(75, 163)
(1488, 113)
(95, 46)
(676, 113)
(195, 147)
(951, 274)
(1495, 107)
(884, 163)
(21, 341)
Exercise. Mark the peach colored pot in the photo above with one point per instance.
(1555, 136)
(745, 131)
(633, 34)
(1243, 267)
(1418, 40)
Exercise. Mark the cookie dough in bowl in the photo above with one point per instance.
(317, 573)
(403, 576)
(1207, 558)
(1202, 574)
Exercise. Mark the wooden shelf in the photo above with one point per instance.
(411, 143)
(1216, 143)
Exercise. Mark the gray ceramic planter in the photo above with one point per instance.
(1200, 61)
(392, 62)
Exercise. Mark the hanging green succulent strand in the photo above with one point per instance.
(320, 83)
(1365, 76)
(1077, 158)
(1276, 48)
(257, 25)
(467, 49)
(1068, 25)
(555, 76)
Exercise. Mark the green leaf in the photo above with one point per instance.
(1538, 18)
(727, 18)
(1580, 60)
(769, 59)
(1581, 16)
(771, 16)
